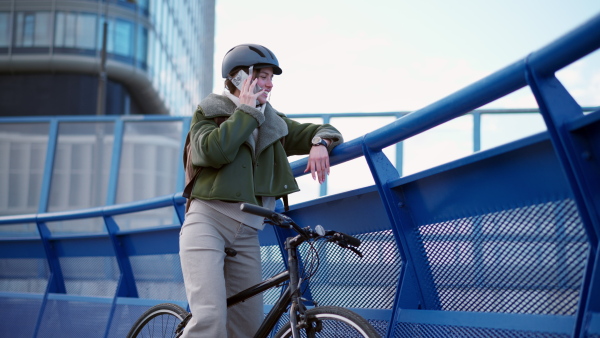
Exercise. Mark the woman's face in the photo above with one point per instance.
(265, 81)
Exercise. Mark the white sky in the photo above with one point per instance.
(374, 56)
(399, 55)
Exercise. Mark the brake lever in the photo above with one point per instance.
(342, 243)
(356, 251)
(280, 221)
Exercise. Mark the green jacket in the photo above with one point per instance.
(236, 167)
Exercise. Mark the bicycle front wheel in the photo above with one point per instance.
(159, 321)
(333, 321)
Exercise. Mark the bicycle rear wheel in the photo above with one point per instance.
(159, 321)
(333, 321)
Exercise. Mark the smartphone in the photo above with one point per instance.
(240, 77)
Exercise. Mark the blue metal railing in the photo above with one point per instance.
(119, 123)
(522, 207)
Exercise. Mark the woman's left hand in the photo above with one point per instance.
(318, 163)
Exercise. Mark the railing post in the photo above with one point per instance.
(409, 293)
(48, 167)
(579, 162)
(56, 282)
(115, 163)
(476, 131)
(126, 286)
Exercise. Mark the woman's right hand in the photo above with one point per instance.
(247, 95)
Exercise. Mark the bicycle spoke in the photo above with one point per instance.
(159, 321)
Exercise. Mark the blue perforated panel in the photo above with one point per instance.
(344, 279)
(90, 276)
(24, 275)
(523, 260)
(19, 316)
(158, 276)
(434, 331)
(124, 317)
(272, 264)
(64, 318)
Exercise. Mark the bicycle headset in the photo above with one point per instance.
(249, 55)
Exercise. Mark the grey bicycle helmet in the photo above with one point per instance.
(249, 55)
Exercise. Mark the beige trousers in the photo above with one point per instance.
(210, 276)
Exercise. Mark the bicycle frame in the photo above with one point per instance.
(289, 296)
(312, 320)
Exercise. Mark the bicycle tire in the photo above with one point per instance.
(336, 322)
(159, 321)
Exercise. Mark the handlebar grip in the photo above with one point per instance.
(256, 210)
(352, 240)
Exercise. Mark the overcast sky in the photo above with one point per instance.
(372, 56)
(398, 55)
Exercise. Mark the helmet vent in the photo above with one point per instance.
(270, 53)
(257, 51)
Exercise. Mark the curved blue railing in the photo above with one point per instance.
(502, 242)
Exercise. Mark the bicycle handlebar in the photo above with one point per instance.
(256, 210)
(284, 220)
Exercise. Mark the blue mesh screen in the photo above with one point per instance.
(346, 280)
(158, 276)
(523, 260)
(124, 317)
(431, 331)
(272, 264)
(19, 316)
(24, 275)
(90, 276)
(64, 318)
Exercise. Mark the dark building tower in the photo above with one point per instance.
(113, 57)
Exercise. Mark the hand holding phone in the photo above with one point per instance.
(241, 76)
(242, 81)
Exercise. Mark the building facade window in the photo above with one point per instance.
(163, 38)
(123, 45)
(4, 30)
(142, 48)
(75, 31)
(32, 29)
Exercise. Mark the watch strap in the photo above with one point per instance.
(321, 143)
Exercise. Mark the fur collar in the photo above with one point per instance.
(271, 128)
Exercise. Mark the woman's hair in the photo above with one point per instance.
(229, 85)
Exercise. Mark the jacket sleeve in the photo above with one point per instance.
(214, 145)
(300, 135)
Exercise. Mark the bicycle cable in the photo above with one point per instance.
(312, 260)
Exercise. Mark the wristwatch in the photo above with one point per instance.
(317, 141)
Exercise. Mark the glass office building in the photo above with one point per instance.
(159, 64)
(159, 56)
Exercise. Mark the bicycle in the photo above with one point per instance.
(169, 320)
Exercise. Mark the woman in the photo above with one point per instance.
(242, 144)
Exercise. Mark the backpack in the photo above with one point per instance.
(192, 171)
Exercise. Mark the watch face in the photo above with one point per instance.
(316, 140)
